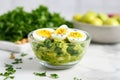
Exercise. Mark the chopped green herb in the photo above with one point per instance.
(1, 74)
(71, 50)
(8, 74)
(58, 50)
(17, 61)
(55, 76)
(18, 68)
(30, 58)
(11, 77)
(23, 54)
(40, 74)
(75, 78)
(8, 65)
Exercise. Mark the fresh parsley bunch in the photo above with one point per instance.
(16, 24)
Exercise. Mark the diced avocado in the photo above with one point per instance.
(58, 52)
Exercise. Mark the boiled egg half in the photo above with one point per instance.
(76, 36)
(61, 32)
(42, 34)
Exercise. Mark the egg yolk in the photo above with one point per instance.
(76, 35)
(44, 33)
(61, 31)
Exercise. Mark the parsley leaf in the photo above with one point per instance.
(40, 74)
(30, 58)
(55, 76)
(23, 54)
(8, 74)
(75, 78)
(17, 61)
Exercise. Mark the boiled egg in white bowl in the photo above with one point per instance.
(61, 32)
(76, 36)
(42, 34)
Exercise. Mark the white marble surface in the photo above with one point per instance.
(101, 62)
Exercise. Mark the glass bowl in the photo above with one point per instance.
(59, 54)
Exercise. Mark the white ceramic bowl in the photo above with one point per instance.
(100, 34)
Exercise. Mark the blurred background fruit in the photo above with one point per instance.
(112, 22)
(88, 17)
(97, 22)
(103, 16)
(77, 17)
(98, 19)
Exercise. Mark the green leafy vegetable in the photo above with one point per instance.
(9, 72)
(75, 78)
(48, 43)
(23, 54)
(43, 74)
(16, 24)
(30, 58)
(58, 50)
(18, 67)
(40, 74)
(55, 76)
(71, 50)
(17, 61)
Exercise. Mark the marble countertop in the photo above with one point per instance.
(101, 62)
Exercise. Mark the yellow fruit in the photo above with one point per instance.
(89, 16)
(103, 16)
(77, 17)
(111, 22)
(97, 22)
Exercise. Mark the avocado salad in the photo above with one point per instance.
(59, 46)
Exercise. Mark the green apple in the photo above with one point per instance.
(89, 16)
(97, 22)
(111, 22)
(118, 19)
(77, 17)
(91, 13)
(103, 16)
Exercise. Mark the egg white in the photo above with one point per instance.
(41, 38)
(61, 36)
(77, 40)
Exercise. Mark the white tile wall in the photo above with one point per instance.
(27, 4)
(112, 6)
(85, 5)
(107, 6)
(4, 6)
(65, 7)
